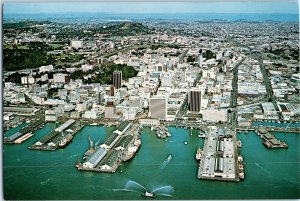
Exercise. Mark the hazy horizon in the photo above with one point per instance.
(236, 7)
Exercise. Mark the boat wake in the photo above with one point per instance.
(133, 186)
(45, 182)
(166, 162)
(124, 189)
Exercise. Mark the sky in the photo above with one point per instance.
(201, 6)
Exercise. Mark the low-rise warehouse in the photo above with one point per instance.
(95, 159)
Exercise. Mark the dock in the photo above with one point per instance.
(119, 146)
(19, 137)
(269, 140)
(219, 160)
(59, 137)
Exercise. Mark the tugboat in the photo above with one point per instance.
(148, 194)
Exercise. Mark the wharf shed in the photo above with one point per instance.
(122, 128)
(65, 125)
(95, 158)
(110, 141)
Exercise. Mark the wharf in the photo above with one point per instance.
(53, 140)
(29, 129)
(269, 140)
(219, 160)
(108, 156)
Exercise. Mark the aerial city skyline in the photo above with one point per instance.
(139, 100)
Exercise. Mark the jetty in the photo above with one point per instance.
(219, 160)
(24, 133)
(269, 140)
(59, 137)
(120, 146)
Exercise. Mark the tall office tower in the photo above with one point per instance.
(117, 79)
(158, 107)
(100, 97)
(112, 90)
(195, 100)
(200, 58)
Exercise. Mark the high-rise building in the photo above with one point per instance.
(200, 58)
(112, 90)
(99, 97)
(117, 79)
(195, 100)
(158, 107)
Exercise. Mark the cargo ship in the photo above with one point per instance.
(65, 140)
(132, 149)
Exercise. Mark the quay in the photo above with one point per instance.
(24, 133)
(269, 140)
(59, 137)
(119, 146)
(219, 160)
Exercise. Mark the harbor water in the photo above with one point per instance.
(30, 174)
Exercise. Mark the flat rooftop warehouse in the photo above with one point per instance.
(111, 139)
(111, 158)
(48, 137)
(65, 125)
(21, 110)
(123, 125)
(125, 141)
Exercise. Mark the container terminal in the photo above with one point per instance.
(25, 133)
(120, 145)
(59, 137)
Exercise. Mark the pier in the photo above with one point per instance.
(24, 133)
(59, 137)
(219, 160)
(120, 146)
(269, 140)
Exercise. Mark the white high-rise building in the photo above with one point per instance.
(158, 107)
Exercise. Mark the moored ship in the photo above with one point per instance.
(199, 154)
(132, 149)
(65, 140)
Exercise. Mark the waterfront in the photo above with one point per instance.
(272, 174)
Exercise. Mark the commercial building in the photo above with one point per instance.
(21, 111)
(60, 78)
(158, 107)
(76, 44)
(215, 115)
(195, 100)
(117, 79)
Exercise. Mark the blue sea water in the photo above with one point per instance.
(29, 174)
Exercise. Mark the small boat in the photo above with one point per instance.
(169, 157)
(198, 154)
(185, 142)
(239, 143)
(148, 194)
